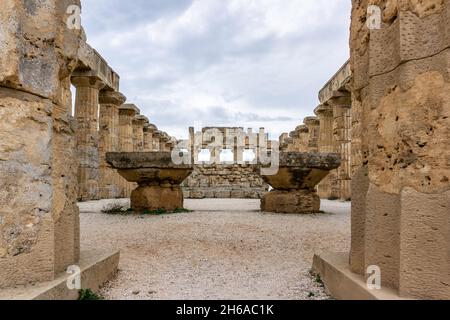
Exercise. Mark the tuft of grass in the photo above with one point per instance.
(115, 208)
(88, 294)
(311, 295)
(318, 280)
(163, 211)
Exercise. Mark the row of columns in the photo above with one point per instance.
(329, 132)
(335, 136)
(106, 124)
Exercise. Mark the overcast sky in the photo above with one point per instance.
(249, 63)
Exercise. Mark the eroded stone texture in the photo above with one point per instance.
(110, 101)
(158, 178)
(86, 113)
(295, 182)
(342, 126)
(39, 228)
(401, 84)
(328, 188)
(127, 112)
(225, 179)
(139, 122)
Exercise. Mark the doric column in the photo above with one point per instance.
(313, 125)
(341, 104)
(156, 140)
(139, 122)
(109, 141)
(86, 114)
(126, 114)
(326, 145)
(149, 129)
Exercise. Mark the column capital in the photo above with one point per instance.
(302, 129)
(324, 110)
(87, 81)
(128, 109)
(140, 120)
(311, 121)
(340, 99)
(111, 97)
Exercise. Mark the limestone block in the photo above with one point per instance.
(299, 201)
(155, 198)
(38, 49)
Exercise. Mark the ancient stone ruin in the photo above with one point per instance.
(157, 176)
(295, 181)
(379, 138)
(219, 176)
(400, 91)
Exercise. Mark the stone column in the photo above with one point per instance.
(126, 114)
(313, 125)
(39, 223)
(400, 219)
(156, 140)
(109, 142)
(149, 129)
(86, 113)
(326, 145)
(138, 132)
(341, 105)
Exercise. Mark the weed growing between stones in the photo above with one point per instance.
(88, 294)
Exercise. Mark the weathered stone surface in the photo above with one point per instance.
(86, 114)
(158, 177)
(39, 227)
(155, 198)
(295, 182)
(109, 179)
(298, 201)
(401, 92)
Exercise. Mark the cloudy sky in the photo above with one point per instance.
(249, 63)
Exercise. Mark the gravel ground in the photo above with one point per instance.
(224, 249)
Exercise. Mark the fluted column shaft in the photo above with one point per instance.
(109, 142)
(86, 114)
(126, 115)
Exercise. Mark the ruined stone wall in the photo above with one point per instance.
(234, 179)
(224, 181)
(401, 190)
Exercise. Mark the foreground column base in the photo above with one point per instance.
(151, 198)
(296, 201)
(342, 284)
(97, 267)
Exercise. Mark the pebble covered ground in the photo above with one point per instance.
(224, 249)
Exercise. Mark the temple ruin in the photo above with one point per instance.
(224, 168)
(379, 137)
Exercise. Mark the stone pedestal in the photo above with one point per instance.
(159, 179)
(291, 201)
(157, 197)
(294, 183)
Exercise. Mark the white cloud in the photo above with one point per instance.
(254, 62)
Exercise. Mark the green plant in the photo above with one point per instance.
(115, 208)
(88, 294)
(318, 280)
(311, 295)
